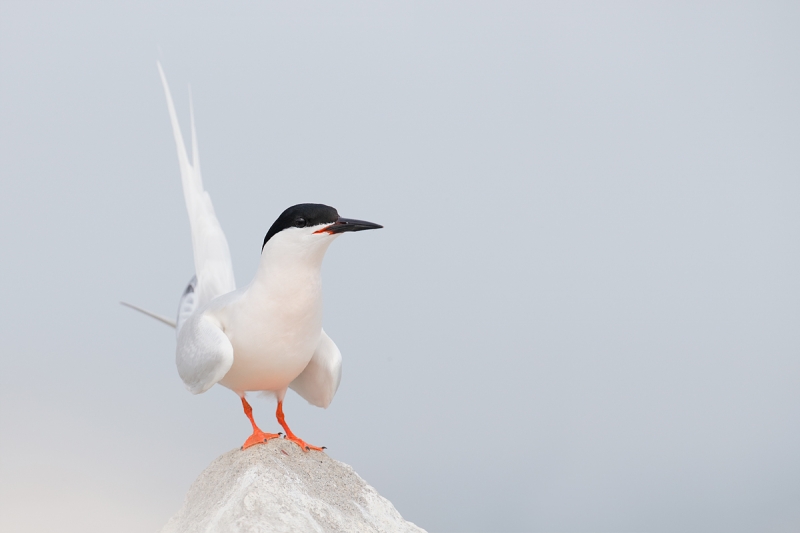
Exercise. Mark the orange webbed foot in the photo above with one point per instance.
(303, 444)
(259, 437)
(291, 436)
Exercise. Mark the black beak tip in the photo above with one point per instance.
(348, 224)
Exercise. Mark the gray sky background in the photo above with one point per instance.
(582, 314)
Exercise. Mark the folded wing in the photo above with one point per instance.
(204, 353)
(320, 379)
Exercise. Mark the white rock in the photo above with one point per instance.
(276, 487)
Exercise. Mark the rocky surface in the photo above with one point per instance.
(276, 487)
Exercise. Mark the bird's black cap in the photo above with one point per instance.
(301, 216)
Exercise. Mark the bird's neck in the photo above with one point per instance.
(285, 267)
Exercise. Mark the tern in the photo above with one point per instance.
(266, 336)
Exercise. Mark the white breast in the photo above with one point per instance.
(275, 326)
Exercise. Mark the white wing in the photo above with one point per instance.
(204, 353)
(188, 304)
(319, 381)
(212, 258)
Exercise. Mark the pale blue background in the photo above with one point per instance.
(582, 315)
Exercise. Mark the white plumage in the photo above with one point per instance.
(266, 336)
(273, 344)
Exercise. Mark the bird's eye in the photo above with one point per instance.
(300, 223)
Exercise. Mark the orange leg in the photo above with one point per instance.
(291, 436)
(258, 436)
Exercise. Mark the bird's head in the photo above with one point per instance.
(310, 227)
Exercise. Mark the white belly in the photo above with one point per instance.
(273, 338)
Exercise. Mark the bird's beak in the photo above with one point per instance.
(348, 224)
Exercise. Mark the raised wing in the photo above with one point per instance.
(204, 353)
(188, 303)
(320, 379)
(212, 257)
